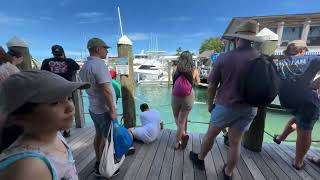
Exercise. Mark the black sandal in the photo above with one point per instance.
(226, 177)
(297, 167)
(275, 139)
(177, 148)
(184, 140)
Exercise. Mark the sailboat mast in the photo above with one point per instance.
(120, 21)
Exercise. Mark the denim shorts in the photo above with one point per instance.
(238, 118)
(306, 116)
(101, 123)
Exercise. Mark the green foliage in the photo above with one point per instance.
(215, 44)
(179, 51)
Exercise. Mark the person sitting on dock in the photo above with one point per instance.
(150, 127)
(42, 110)
(296, 94)
(182, 98)
(62, 66)
(230, 110)
(101, 95)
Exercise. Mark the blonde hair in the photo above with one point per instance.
(6, 70)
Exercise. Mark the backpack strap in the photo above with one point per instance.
(11, 159)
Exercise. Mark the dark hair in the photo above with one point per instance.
(11, 132)
(14, 53)
(24, 109)
(144, 107)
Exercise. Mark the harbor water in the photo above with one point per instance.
(159, 98)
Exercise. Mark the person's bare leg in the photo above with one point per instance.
(184, 117)
(208, 141)
(181, 126)
(176, 112)
(302, 145)
(290, 127)
(235, 137)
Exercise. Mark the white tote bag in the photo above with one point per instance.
(108, 165)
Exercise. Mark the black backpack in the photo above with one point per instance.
(261, 82)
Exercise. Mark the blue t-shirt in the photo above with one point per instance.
(296, 74)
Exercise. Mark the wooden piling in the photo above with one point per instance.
(78, 105)
(127, 83)
(253, 138)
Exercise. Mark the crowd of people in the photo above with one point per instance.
(30, 122)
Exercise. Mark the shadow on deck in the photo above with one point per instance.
(160, 161)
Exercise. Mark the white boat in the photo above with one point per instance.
(147, 67)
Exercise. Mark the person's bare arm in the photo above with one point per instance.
(27, 169)
(107, 93)
(196, 76)
(212, 89)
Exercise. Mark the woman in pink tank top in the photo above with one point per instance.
(182, 96)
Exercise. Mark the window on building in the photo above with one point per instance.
(290, 34)
(273, 29)
(314, 36)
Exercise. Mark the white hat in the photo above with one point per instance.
(16, 42)
(266, 35)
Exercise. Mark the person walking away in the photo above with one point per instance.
(59, 64)
(150, 127)
(182, 96)
(296, 94)
(40, 152)
(230, 108)
(101, 104)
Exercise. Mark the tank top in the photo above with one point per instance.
(60, 169)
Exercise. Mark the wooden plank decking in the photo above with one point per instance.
(159, 161)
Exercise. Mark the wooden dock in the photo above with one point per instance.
(160, 161)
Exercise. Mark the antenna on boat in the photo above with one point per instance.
(120, 21)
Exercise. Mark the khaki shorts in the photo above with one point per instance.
(182, 103)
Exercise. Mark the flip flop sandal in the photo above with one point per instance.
(297, 167)
(275, 139)
(224, 173)
(184, 140)
(179, 146)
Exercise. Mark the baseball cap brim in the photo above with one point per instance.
(58, 91)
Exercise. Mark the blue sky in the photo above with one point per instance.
(173, 23)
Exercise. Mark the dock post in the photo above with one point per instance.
(78, 105)
(169, 72)
(22, 47)
(127, 83)
(253, 138)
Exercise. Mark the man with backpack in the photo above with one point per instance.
(230, 110)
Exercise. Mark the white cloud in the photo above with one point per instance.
(4, 19)
(89, 14)
(92, 17)
(195, 35)
(178, 19)
(45, 18)
(138, 36)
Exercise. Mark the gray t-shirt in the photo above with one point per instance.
(95, 71)
(228, 72)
